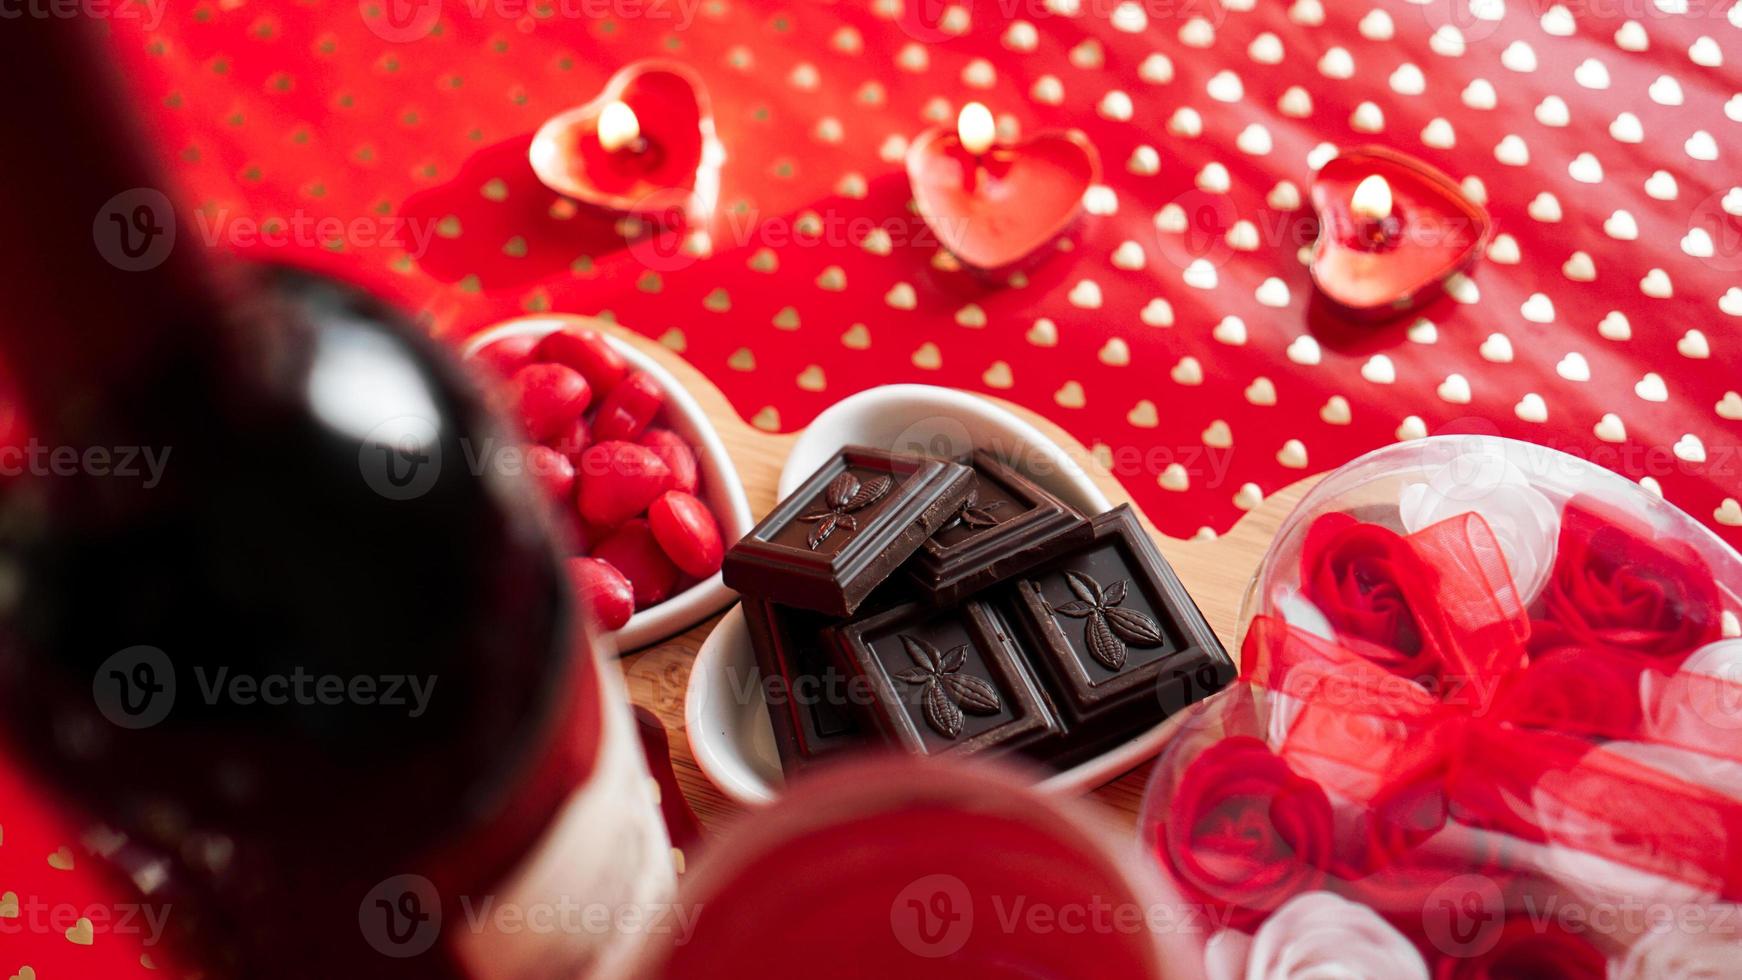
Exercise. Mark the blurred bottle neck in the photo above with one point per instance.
(101, 291)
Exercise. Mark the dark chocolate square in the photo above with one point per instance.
(843, 532)
(944, 680)
(810, 700)
(1115, 636)
(1007, 524)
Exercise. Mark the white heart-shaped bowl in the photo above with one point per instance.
(724, 714)
(720, 489)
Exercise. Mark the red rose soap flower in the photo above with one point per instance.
(1617, 585)
(1377, 592)
(1245, 832)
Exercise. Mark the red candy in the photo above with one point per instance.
(602, 591)
(632, 484)
(677, 455)
(618, 481)
(550, 397)
(588, 352)
(572, 440)
(687, 533)
(507, 355)
(553, 470)
(632, 550)
(629, 407)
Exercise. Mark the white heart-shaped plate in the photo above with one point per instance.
(724, 714)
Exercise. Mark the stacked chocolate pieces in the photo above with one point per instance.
(953, 607)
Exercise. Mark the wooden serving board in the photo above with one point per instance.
(1216, 573)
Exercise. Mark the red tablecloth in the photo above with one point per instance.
(386, 142)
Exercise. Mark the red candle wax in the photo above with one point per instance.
(1376, 267)
(674, 164)
(996, 210)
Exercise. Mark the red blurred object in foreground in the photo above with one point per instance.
(897, 867)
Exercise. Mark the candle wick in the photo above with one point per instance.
(1378, 234)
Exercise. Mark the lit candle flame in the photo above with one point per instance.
(975, 128)
(618, 127)
(1372, 199)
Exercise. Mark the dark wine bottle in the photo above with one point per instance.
(313, 666)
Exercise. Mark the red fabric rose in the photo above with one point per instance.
(1616, 585)
(1525, 950)
(1376, 591)
(1244, 832)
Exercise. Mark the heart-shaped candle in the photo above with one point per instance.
(1392, 231)
(645, 146)
(995, 206)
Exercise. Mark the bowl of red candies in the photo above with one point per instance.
(644, 492)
